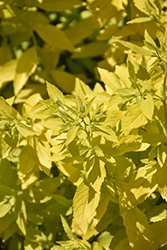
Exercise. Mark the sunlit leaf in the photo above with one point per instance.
(25, 67)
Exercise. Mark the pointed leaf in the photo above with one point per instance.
(147, 107)
(53, 36)
(67, 229)
(54, 93)
(110, 79)
(26, 66)
(137, 49)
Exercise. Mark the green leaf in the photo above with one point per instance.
(54, 93)
(53, 36)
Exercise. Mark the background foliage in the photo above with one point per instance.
(83, 167)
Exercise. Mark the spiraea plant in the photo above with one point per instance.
(87, 170)
(96, 158)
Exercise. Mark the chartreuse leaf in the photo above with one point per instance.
(7, 72)
(6, 111)
(54, 93)
(137, 49)
(6, 221)
(26, 66)
(72, 132)
(85, 203)
(79, 31)
(110, 79)
(140, 20)
(64, 80)
(147, 106)
(92, 49)
(142, 184)
(21, 215)
(24, 129)
(58, 6)
(136, 225)
(133, 118)
(158, 236)
(53, 36)
(67, 229)
(44, 155)
(27, 162)
(149, 42)
(96, 246)
(162, 180)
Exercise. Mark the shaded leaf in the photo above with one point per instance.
(53, 36)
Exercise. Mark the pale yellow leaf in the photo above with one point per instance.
(54, 93)
(85, 203)
(71, 134)
(110, 79)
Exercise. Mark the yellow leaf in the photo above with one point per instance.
(44, 156)
(133, 118)
(85, 203)
(54, 93)
(57, 5)
(21, 217)
(71, 134)
(147, 106)
(79, 31)
(92, 49)
(27, 156)
(162, 180)
(53, 36)
(7, 72)
(110, 79)
(140, 20)
(136, 225)
(25, 67)
(64, 80)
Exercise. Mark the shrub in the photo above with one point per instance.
(87, 170)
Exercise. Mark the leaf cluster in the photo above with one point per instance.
(84, 170)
